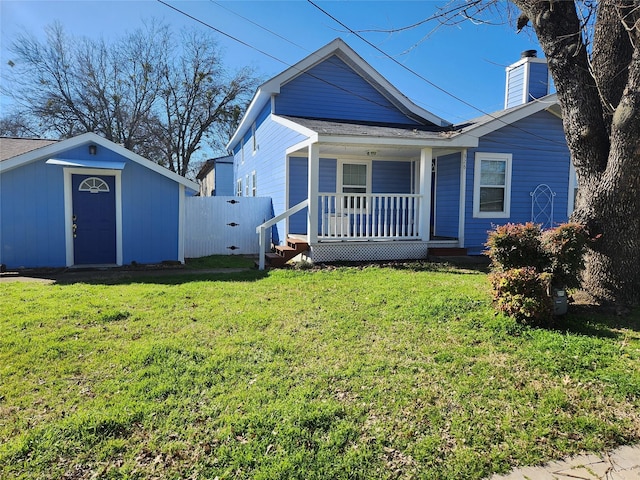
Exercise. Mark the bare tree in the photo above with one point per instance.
(160, 98)
(195, 100)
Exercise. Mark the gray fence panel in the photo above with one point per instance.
(224, 225)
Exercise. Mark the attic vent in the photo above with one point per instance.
(93, 185)
(529, 54)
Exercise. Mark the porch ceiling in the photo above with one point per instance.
(382, 152)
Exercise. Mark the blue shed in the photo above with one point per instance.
(86, 201)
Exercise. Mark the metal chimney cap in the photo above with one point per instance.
(529, 54)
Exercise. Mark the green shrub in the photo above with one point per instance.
(566, 247)
(517, 245)
(526, 263)
(522, 293)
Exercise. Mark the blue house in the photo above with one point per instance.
(356, 171)
(216, 177)
(87, 201)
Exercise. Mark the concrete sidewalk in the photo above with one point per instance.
(620, 464)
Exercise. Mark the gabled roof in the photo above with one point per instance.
(54, 148)
(210, 164)
(486, 124)
(12, 147)
(339, 48)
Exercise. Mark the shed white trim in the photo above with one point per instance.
(50, 151)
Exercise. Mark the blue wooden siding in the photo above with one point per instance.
(32, 213)
(515, 85)
(32, 217)
(224, 183)
(391, 177)
(149, 216)
(538, 80)
(268, 162)
(334, 90)
(447, 196)
(535, 161)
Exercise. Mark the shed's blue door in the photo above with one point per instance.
(94, 219)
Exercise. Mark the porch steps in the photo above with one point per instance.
(448, 252)
(284, 253)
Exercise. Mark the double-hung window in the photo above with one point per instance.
(354, 179)
(492, 185)
(239, 187)
(254, 184)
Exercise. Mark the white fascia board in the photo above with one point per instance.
(296, 127)
(518, 113)
(468, 141)
(257, 103)
(85, 139)
(345, 53)
(301, 146)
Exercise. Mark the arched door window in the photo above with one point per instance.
(93, 185)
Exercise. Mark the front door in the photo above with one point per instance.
(94, 219)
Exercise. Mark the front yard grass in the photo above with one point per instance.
(359, 373)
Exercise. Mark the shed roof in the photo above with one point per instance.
(12, 147)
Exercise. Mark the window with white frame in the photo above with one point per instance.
(239, 187)
(354, 178)
(246, 186)
(253, 137)
(492, 185)
(254, 184)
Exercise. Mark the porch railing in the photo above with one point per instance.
(368, 216)
(261, 230)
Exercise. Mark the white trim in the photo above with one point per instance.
(87, 139)
(341, 162)
(296, 127)
(463, 198)
(461, 140)
(254, 183)
(479, 157)
(424, 220)
(300, 149)
(526, 78)
(254, 140)
(287, 205)
(504, 118)
(181, 215)
(337, 47)
(68, 209)
(312, 193)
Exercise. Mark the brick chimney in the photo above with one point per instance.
(527, 79)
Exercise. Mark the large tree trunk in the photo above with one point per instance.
(600, 100)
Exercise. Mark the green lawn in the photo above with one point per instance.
(375, 372)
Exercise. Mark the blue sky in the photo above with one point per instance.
(467, 60)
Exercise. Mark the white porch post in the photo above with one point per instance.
(463, 197)
(424, 222)
(314, 175)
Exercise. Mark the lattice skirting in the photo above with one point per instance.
(367, 251)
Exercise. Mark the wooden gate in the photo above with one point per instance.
(224, 225)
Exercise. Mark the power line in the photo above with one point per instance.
(420, 76)
(304, 72)
(248, 45)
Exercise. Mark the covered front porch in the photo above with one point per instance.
(359, 202)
